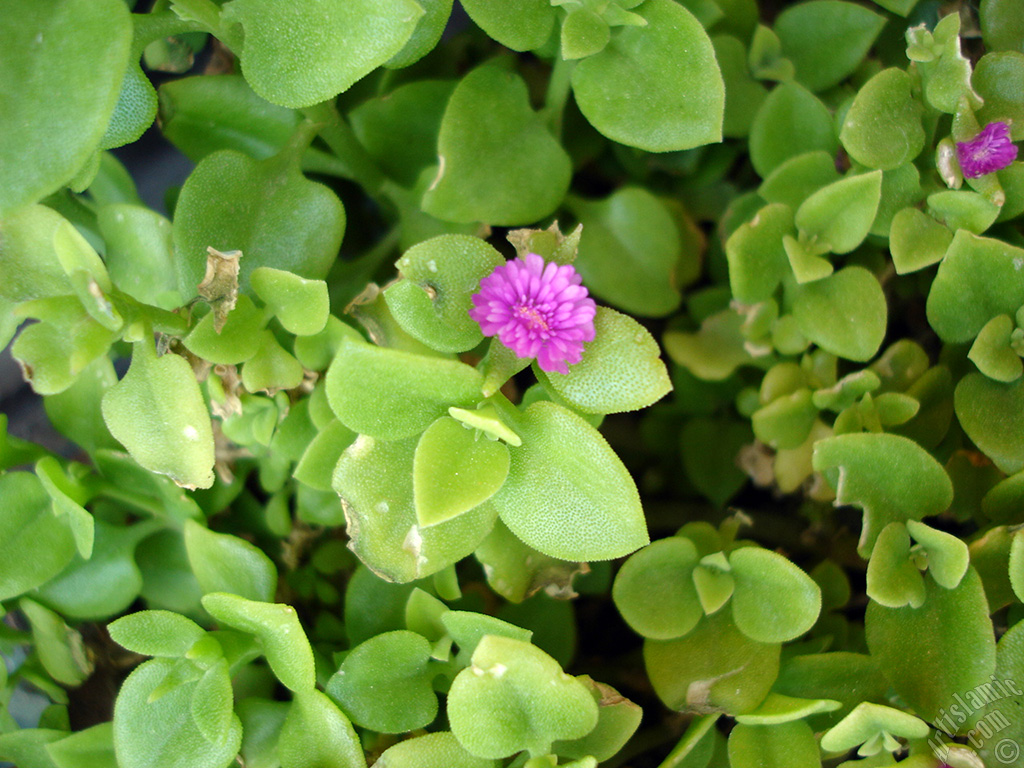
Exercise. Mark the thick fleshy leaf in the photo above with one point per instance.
(157, 412)
(163, 733)
(870, 722)
(266, 209)
(299, 54)
(893, 579)
(226, 563)
(621, 369)
(674, 102)
(774, 601)
(785, 745)
(826, 39)
(316, 734)
(757, 260)
(516, 697)
(883, 127)
(790, 122)
(384, 684)
(654, 589)
(839, 215)
(301, 305)
(1001, 26)
(743, 94)
(992, 415)
(433, 301)
(568, 494)
(844, 313)
(281, 636)
(629, 251)
(156, 633)
(498, 162)
(715, 668)
(916, 240)
(67, 57)
(890, 477)
(375, 481)
(521, 25)
(796, 179)
(390, 394)
(140, 254)
(432, 750)
(927, 663)
(454, 470)
(979, 278)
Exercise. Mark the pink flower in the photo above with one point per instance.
(989, 151)
(536, 310)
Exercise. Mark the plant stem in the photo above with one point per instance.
(159, 25)
(697, 730)
(343, 143)
(558, 94)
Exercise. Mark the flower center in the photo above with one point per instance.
(535, 320)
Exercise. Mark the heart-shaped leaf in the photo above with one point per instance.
(774, 601)
(454, 470)
(654, 589)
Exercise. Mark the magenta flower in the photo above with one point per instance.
(536, 310)
(989, 151)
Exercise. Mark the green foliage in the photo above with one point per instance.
(351, 529)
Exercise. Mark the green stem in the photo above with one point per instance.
(557, 94)
(157, 26)
(697, 730)
(343, 143)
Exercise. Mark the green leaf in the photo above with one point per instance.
(271, 368)
(883, 127)
(266, 209)
(844, 313)
(455, 469)
(928, 667)
(675, 102)
(778, 709)
(839, 216)
(743, 94)
(140, 255)
(860, 467)
(301, 305)
(629, 251)
(797, 178)
(433, 301)
(654, 589)
(281, 635)
(157, 412)
(978, 279)
(715, 668)
(960, 209)
(390, 394)
(584, 33)
(916, 240)
(32, 268)
(156, 633)
(869, 724)
(384, 684)
(522, 25)
(226, 563)
(498, 163)
(948, 556)
(992, 352)
(757, 260)
(774, 601)
(432, 750)
(1017, 564)
(1001, 27)
(426, 34)
(516, 697)
(991, 414)
(617, 720)
(567, 494)
(715, 351)
(235, 342)
(60, 649)
(783, 745)
(34, 544)
(89, 748)
(620, 369)
(321, 457)
(163, 733)
(790, 122)
(299, 54)
(67, 57)
(893, 579)
(715, 472)
(105, 584)
(375, 481)
(826, 39)
(135, 109)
